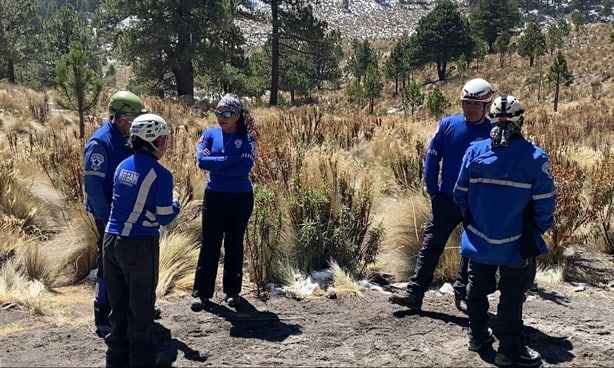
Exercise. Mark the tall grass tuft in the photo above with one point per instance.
(178, 257)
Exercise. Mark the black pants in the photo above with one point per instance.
(131, 275)
(224, 217)
(445, 217)
(514, 282)
(101, 303)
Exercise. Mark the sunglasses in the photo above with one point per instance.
(224, 114)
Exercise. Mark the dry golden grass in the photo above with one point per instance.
(17, 288)
(380, 154)
(549, 276)
(344, 284)
(178, 256)
(73, 249)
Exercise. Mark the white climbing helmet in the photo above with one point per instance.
(151, 128)
(477, 90)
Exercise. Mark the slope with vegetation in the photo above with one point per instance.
(334, 184)
(338, 177)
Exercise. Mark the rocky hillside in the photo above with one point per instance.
(373, 19)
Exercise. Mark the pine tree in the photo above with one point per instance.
(373, 85)
(412, 96)
(490, 18)
(19, 21)
(442, 36)
(501, 45)
(532, 44)
(437, 102)
(78, 86)
(559, 74)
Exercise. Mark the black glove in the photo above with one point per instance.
(528, 248)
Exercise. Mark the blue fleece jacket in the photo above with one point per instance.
(446, 149)
(230, 160)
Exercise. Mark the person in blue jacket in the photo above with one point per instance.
(143, 200)
(105, 149)
(506, 194)
(227, 152)
(441, 166)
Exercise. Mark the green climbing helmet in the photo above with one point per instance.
(126, 104)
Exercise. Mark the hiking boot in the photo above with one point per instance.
(406, 299)
(233, 300)
(197, 304)
(528, 358)
(460, 303)
(475, 345)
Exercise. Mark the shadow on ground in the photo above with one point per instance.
(168, 348)
(553, 349)
(249, 322)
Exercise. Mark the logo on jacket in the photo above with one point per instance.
(547, 169)
(238, 143)
(127, 177)
(96, 160)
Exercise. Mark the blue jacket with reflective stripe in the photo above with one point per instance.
(447, 147)
(142, 197)
(105, 149)
(494, 186)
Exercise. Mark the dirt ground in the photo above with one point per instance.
(568, 327)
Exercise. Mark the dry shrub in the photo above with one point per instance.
(263, 240)
(60, 156)
(189, 180)
(330, 212)
(16, 201)
(402, 152)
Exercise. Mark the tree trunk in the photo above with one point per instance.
(396, 85)
(371, 105)
(556, 92)
(11, 70)
(441, 70)
(274, 53)
(184, 77)
(81, 120)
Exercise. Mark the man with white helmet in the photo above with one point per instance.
(105, 149)
(143, 200)
(509, 171)
(441, 166)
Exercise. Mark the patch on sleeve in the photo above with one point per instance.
(96, 161)
(129, 178)
(547, 169)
